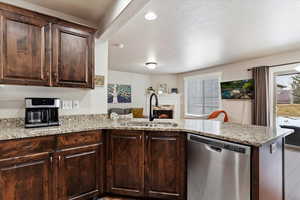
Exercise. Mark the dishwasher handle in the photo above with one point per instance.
(214, 149)
(218, 145)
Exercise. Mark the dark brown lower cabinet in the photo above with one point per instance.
(165, 165)
(26, 177)
(79, 170)
(148, 165)
(125, 163)
(64, 167)
(268, 171)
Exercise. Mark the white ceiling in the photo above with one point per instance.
(89, 10)
(194, 34)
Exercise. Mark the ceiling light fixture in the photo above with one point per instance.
(150, 16)
(118, 45)
(151, 65)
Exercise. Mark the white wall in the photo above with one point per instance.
(139, 83)
(169, 79)
(91, 101)
(240, 111)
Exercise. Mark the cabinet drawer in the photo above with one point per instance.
(126, 132)
(165, 134)
(78, 139)
(17, 148)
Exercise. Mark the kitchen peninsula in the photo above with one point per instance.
(99, 154)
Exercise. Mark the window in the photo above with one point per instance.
(202, 94)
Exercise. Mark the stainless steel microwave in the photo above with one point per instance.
(41, 112)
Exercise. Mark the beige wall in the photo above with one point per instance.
(91, 101)
(239, 110)
(169, 79)
(139, 83)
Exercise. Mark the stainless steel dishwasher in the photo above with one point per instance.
(217, 170)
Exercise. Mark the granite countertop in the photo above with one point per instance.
(243, 134)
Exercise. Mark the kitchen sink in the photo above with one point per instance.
(136, 123)
(149, 124)
(165, 124)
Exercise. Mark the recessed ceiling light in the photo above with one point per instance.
(150, 16)
(151, 65)
(118, 45)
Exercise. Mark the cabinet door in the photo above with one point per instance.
(125, 164)
(73, 57)
(165, 165)
(25, 52)
(26, 177)
(79, 173)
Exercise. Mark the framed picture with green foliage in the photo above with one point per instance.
(241, 89)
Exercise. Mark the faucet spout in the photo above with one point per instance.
(151, 115)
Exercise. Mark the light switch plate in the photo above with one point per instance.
(66, 105)
(75, 104)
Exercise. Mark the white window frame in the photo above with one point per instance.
(203, 77)
(274, 71)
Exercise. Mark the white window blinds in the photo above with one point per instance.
(202, 94)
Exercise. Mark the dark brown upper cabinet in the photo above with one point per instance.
(24, 50)
(73, 60)
(40, 50)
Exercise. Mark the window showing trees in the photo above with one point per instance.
(288, 95)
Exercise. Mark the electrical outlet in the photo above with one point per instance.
(67, 105)
(64, 105)
(70, 105)
(75, 104)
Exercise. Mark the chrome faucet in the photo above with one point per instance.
(151, 115)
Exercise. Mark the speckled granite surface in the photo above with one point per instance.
(244, 134)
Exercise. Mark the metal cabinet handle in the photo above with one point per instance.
(59, 161)
(51, 163)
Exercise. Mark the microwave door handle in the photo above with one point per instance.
(47, 116)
